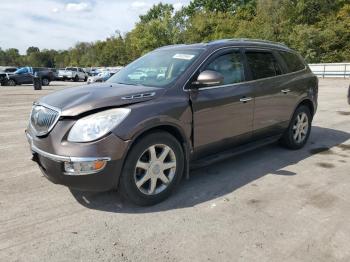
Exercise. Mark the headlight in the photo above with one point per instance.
(94, 126)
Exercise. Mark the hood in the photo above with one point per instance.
(77, 100)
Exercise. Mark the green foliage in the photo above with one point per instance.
(318, 29)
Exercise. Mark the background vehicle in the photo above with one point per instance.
(7, 69)
(24, 75)
(72, 73)
(93, 72)
(4, 72)
(101, 77)
(138, 75)
(141, 134)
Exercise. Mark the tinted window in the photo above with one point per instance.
(262, 64)
(229, 65)
(294, 63)
(10, 69)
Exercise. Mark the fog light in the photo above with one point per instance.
(84, 168)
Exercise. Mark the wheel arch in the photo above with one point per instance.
(308, 103)
(165, 127)
(45, 77)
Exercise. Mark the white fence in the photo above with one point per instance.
(331, 69)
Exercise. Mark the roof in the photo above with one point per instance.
(228, 42)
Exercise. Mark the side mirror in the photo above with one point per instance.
(209, 78)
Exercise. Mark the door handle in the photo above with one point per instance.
(285, 91)
(245, 99)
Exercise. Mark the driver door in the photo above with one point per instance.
(24, 77)
(222, 114)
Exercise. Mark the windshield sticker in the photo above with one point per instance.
(183, 56)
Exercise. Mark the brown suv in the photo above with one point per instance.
(177, 107)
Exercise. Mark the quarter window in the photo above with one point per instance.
(294, 63)
(229, 65)
(262, 64)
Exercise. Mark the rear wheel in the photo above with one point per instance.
(76, 79)
(299, 129)
(45, 82)
(153, 169)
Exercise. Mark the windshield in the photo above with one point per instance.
(158, 68)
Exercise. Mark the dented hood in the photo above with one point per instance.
(77, 100)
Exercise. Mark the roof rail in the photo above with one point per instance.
(166, 46)
(251, 40)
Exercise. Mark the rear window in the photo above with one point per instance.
(293, 61)
(262, 64)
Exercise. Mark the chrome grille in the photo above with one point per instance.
(43, 119)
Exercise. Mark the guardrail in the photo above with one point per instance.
(331, 69)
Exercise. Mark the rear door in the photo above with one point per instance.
(223, 114)
(265, 72)
(81, 73)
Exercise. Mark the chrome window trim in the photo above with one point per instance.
(59, 113)
(244, 82)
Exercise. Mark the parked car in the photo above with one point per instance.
(137, 75)
(93, 72)
(24, 75)
(101, 77)
(8, 69)
(216, 100)
(72, 73)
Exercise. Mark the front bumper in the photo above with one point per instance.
(52, 164)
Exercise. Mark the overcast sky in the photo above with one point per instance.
(59, 24)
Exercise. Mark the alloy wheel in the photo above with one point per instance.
(155, 169)
(300, 127)
(11, 82)
(45, 82)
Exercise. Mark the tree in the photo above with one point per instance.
(157, 12)
(223, 6)
(32, 49)
(318, 29)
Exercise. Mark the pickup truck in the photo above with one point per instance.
(24, 75)
(72, 73)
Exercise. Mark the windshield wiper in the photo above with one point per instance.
(129, 84)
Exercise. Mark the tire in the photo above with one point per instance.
(136, 183)
(298, 132)
(45, 81)
(85, 79)
(11, 82)
(76, 79)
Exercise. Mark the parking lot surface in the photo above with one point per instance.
(271, 204)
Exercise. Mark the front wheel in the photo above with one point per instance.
(76, 79)
(299, 129)
(153, 169)
(11, 82)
